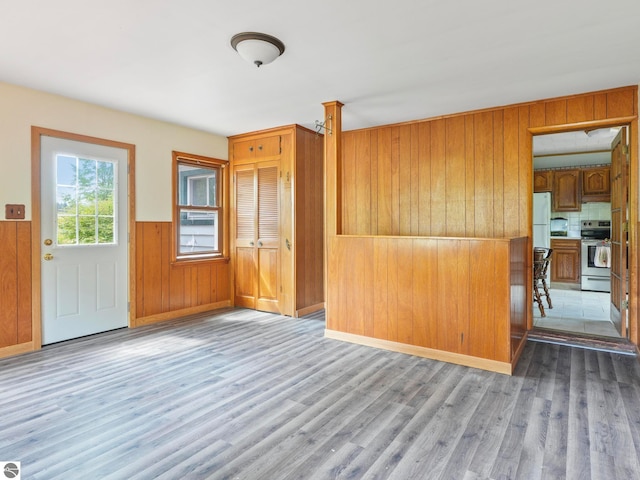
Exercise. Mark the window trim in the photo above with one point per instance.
(181, 158)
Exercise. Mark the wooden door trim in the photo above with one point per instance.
(36, 285)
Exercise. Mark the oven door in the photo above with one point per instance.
(594, 277)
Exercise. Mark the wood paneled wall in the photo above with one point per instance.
(15, 283)
(466, 175)
(309, 223)
(165, 290)
(450, 294)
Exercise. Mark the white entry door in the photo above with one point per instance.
(84, 238)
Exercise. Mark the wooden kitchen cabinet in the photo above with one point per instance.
(542, 180)
(565, 261)
(596, 184)
(277, 222)
(567, 192)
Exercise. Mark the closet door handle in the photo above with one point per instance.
(251, 244)
(259, 244)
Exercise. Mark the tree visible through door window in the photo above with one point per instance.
(85, 201)
(198, 218)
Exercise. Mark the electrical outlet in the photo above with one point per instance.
(14, 212)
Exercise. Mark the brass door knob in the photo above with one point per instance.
(48, 256)
(48, 242)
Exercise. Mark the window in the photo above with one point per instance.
(198, 218)
(86, 193)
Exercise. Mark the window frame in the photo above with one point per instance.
(222, 184)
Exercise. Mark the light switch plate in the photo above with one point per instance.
(14, 212)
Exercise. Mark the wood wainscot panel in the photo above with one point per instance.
(167, 290)
(16, 335)
(453, 295)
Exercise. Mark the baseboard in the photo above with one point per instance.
(433, 354)
(13, 350)
(309, 310)
(183, 312)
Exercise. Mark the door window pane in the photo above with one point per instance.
(85, 201)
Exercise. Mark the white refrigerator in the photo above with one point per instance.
(542, 219)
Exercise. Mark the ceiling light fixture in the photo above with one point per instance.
(257, 48)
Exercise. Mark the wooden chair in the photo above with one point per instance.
(541, 261)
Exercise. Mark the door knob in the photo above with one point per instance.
(251, 243)
(259, 244)
(48, 242)
(48, 256)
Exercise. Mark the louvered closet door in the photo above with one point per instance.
(245, 233)
(257, 231)
(268, 238)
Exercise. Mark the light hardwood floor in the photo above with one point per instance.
(250, 395)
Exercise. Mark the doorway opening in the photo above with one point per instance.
(580, 213)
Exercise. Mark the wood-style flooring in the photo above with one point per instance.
(250, 395)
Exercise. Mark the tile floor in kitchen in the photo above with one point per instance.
(577, 311)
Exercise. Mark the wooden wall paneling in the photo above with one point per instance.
(405, 175)
(425, 292)
(453, 296)
(424, 175)
(368, 297)
(395, 181)
(139, 260)
(555, 112)
(520, 301)
(599, 106)
(525, 174)
(484, 175)
(405, 267)
(482, 299)
(350, 183)
(355, 284)
(385, 208)
(393, 288)
(438, 179)
(537, 114)
(414, 208)
(498, 174)
(511, 172)
(373, 142)
(621, 103)
(470, 180)
(362, 179)
(579, 109)
(8, 284)
(380, 289)
(332, 314)
(455, 172)
(23, 283)
(165, 260)
(502, 308)
(204, 284)
(152, 266)
(176, 288)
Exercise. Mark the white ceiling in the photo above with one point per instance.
(388, 61)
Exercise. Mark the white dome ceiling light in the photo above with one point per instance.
(257, 48)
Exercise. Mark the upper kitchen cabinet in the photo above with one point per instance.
(567, 190)
(542, 181)
(596, 184)
(277, 220)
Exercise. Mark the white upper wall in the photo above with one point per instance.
(22, 108)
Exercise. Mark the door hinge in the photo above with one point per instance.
(624, 305)
(625, 149)
(128, 306)
(280, 144)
